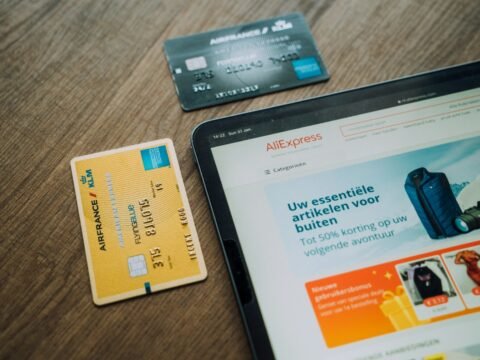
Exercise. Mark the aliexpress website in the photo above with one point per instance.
(362, 235)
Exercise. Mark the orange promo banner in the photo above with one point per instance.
(397, 295)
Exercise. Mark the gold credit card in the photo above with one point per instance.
(136, 222)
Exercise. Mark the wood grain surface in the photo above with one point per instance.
(78, 77)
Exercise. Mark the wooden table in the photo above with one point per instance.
(77, 77)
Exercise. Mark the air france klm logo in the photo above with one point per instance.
(87, 179)
(238, 36)
(98, 221)
(281, 25)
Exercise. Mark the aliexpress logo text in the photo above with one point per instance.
(292, 143)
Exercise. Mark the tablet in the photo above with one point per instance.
(350, 223)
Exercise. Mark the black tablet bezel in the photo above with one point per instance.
(286, 117)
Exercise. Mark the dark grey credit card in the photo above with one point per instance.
(244, 61)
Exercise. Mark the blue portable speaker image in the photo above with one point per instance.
(434, 202)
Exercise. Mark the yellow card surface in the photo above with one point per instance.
(137, 224)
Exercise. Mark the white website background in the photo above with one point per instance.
(259, 184)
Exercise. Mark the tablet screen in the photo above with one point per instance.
(362, 235)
